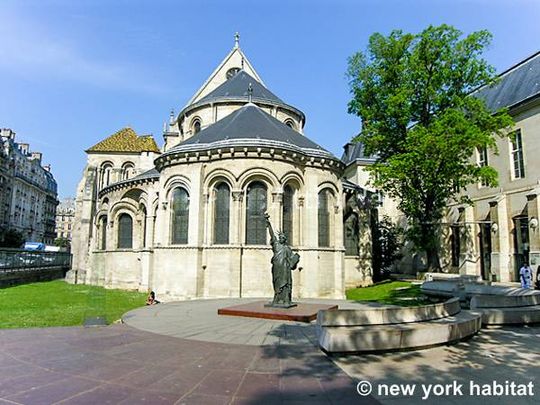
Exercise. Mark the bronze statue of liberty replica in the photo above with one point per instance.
(284, 261)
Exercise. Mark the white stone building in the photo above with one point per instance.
(65, 218)
(188, 221)
(29, 191)
(499, 232)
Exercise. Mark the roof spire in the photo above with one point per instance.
(171, 117)
(236, 40)
(250, 92)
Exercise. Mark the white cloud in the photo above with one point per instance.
(31, 51)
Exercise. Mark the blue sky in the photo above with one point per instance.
(73, 72)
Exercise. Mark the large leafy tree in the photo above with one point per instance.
(413, 94)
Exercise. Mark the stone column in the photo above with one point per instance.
(534, 238)
(236, 217)
(208, 220)
(300, 227)
(503, 260)
(276, 211)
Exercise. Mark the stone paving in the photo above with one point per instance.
(121, 364)
(497, 354)
(187, 354)
(198, 320)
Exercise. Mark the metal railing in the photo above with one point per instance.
(13, 260)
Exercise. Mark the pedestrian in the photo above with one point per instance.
(525, 276)
(151, 299)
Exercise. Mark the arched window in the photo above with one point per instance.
(324, 219)
(106, 175)
(180, 216)
(125, 231)
(255, 209)
(288, 205)
(127, 170)
(103, 232)
(196, 126)
(221, 214)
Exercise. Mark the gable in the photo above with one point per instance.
(235, 59)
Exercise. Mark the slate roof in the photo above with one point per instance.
(126, 140)
(516, 85)
(250, 126)
(353, 152)
(237, 88)
(149, 174)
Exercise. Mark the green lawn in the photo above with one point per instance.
(57, 303)
(402, 293)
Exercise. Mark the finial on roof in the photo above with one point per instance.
(236, 40)
(171, 117)
(250, 92)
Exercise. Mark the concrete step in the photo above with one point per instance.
(511, 315)
(388, 315)
(504, 301)
(373, 338)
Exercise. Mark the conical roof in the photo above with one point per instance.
(251, 126)
(237, 88)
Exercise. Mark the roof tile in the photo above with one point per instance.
(126, 140)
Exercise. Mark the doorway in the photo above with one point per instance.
(521, 243)
(485, 250)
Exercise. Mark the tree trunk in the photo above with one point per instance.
(430, 243)
(433, 262)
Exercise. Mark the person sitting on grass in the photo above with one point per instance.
(151, 300)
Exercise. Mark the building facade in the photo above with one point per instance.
(499, 232)
(65, 218)
(188, 221)
(29, 191)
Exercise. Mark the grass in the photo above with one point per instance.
(57, 303)
(402, 293)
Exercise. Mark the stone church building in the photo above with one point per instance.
(187, 220)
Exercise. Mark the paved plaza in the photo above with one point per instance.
(185, 353)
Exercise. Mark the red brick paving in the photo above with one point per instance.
(119, 364)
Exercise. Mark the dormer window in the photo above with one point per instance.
(290, 124)
(232, 72)
(196, 126)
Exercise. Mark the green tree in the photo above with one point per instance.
(413, 94)
(387, 246)
(62, 242)
(12, 238)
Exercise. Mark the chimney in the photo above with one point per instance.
(36, 156)
(23, 147)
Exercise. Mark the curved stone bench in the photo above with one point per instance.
(452, 277)
(511, 316)
(499, 305)
(504, 301)
(395, 328)
(478, 289)
(388, 315)
(508, 309)
(444, 289)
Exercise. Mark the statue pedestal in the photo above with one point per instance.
(282, 306)
(300, 312)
